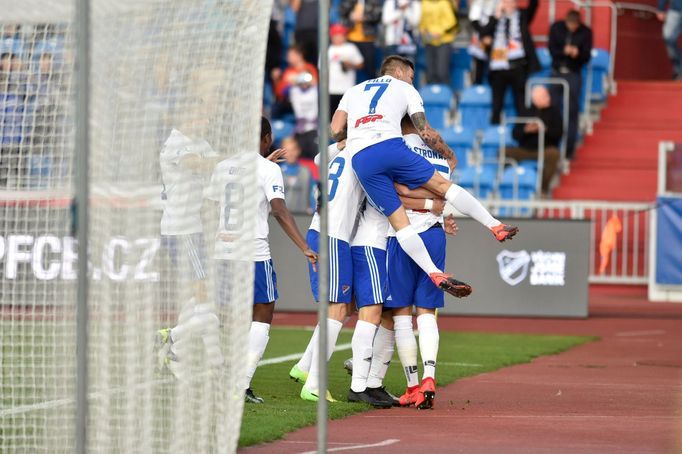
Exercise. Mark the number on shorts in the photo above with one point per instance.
(334, 175)
(381, 88)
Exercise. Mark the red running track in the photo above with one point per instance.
(621, 394)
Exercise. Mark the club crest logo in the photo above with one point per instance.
(513, 266)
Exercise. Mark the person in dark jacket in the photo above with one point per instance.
(512, 54)
(306, 30)
(528, 137)
(672, 29)
(362, 18)
(570, 44)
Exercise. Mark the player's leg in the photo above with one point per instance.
(340, 296)
(375, 169)
(382, 353)
(427, 300)
(264, 295)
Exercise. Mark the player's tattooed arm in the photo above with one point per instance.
(431, 137)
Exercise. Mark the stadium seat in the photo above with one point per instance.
(491, 143)
(600, 70)
(461, 141)
(475, 107)
(419, 66)
(522, 177)
(438, 102)
(460, 65)
(281, 129)
(545, 62)
(478, 180)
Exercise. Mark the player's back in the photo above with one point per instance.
(375, 108)
(344, 196)
(182, 186)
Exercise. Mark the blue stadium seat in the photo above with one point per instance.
(545, 62)
(475, 107)
(477, 177)
(419, 66)
(524, 178)
(600, 69)
(492, 141)
(438, 102)
(460, 65)
(461, 141)
(281, 129)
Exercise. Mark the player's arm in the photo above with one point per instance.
(339, 127)
(431, 137)
(436, 206)
(288, 224)
(417, 193)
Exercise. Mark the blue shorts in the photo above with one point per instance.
(193, 252)
(369, 275)
(379, 165)
(265, 283)
(340, 269)
(410, 285)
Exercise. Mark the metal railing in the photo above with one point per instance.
(565, 108)
(629, 259)
(541, 146)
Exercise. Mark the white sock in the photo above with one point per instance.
(413, 246)
(469, 205)
(258, 340)
(406, 344)
(211, 338)
(306, 359)
(382, 352)
(333, 330)
(428, 343)
(363, 338)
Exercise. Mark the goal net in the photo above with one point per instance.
(176, 87)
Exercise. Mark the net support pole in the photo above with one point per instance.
(323, 272)
(82, 136)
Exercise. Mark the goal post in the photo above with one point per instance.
(181, 77)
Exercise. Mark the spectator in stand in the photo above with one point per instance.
(401, 23)
(438, 28)
(284, 80)
(672, 29)
(528, 138)
(305, 33)
(480, 12)
(273, 53)
(362, 18)
(570, 44)
(303, 96)
(512, 55)
(344, 59)
(299, 184)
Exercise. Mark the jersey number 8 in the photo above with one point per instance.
(335, 170)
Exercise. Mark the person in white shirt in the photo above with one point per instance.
(227, 189)
(369, 115)
(401, 25)
(344, 60)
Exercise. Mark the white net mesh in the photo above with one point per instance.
(176, 87)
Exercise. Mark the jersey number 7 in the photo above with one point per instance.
(381, 88)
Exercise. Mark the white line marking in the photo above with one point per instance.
(388, 442)
(443, 363)
(651, 332)
(100, 394)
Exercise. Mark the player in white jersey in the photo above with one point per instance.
(227, 189)
(344, 196)
(369, 116)
(185, 164)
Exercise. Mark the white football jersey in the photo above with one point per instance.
(345, 196)
(375, 109)
(183, 187)
(227, 188)
(372, 229)
(422, 221)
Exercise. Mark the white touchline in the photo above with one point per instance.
(388, 442)
(97, 395)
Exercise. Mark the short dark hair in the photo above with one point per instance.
(573, 16)
(265, 127)
(393, 62)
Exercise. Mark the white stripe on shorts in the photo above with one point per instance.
(374, 274)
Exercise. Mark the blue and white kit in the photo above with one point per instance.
(369, 258)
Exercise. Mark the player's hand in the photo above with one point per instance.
(438, 206)
(341, 145)
(450, 226)
(312, 258)
(661, 15)
(277, 155)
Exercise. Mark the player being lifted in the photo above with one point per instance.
(369, 116)
(344, 194)
(227, 189)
